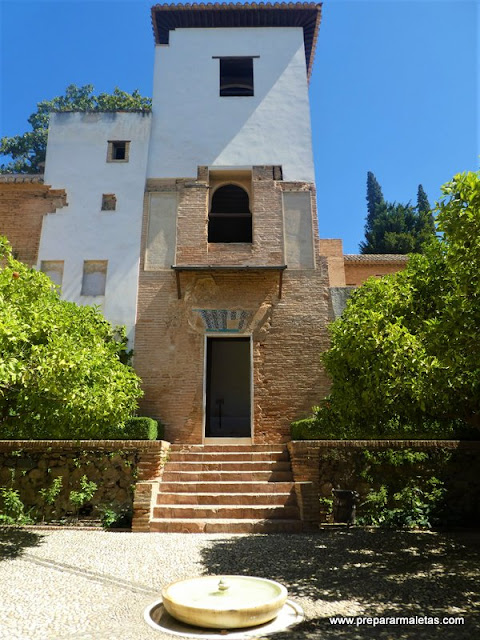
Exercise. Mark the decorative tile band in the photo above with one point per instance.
(225, 320)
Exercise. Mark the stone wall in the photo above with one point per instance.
(117, 467)
(320, 465)
(24, 201)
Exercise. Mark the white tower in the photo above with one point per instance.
(230, 88)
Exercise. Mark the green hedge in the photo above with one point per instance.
(141, 428)
(135, 428)
(305, 430)
(325, 424)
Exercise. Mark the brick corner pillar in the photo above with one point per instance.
(305, 461)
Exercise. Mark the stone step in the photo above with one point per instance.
(233, 448)
(224, 487)
(231, 511)
(226, 498)
(248, 466)
(226, 476)
(199, 525)
(228, 456)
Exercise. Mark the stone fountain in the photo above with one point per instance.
(234, 607)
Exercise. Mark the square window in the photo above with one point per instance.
(109, 202)
(94, 277)
(54, 270)
(118, 150)
(236, 76)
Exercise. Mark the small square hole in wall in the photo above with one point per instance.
(109, 202)
(54, 270)
(94, 277)
(118, 150)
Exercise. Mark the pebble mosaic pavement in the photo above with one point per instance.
(95, 585)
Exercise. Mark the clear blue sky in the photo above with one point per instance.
(395, 87)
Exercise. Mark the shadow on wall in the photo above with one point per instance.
(362, 572)
(227, 125)
(13, 542)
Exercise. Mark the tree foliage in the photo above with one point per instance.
(60, 368)
(423, 205)
(406, 354)
(28, 150)
(395, 228)
(374, 197)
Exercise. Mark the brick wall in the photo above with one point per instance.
(354, 269)
(288, 333)
(333, 252)
(357, 272)
(24, 200)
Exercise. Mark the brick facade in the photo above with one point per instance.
(351, 270)
(288, 332)
(359, 268)
(24, 200)
(286, 311)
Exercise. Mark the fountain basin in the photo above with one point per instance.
(224, 602)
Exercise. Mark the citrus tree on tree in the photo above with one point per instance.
(392, 227)
(405, 354)
(61, 373)
(28, 150)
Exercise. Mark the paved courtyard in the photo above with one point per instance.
(95, 585)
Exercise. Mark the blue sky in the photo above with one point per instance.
(395, 87)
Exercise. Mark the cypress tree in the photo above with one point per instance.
(392, 227)
(426, 221)
(422, 201)
(374, 197)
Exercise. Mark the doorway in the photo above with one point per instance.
(228, 388)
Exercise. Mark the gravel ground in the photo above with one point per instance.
(95, 585)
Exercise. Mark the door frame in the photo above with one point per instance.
(232, 336)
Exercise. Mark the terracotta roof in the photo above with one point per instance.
(22, 177)
(167, 17)
(375, 257)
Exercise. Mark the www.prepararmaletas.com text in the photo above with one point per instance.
(396, 620)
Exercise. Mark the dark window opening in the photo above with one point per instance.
(119, 150)
(236, 76)
(230, 219)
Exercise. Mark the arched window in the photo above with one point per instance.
(230, 219)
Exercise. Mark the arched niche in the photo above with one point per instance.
(230, 219)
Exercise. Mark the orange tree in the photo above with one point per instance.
(405, 355)
(61, 375)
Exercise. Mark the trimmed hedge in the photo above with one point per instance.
(135, 428)
(142, 428)
(326, 425)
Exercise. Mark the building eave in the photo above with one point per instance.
(168, 17)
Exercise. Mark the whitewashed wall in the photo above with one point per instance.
(76, 162)
(192, 125)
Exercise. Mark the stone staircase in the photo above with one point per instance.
(226, 489)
